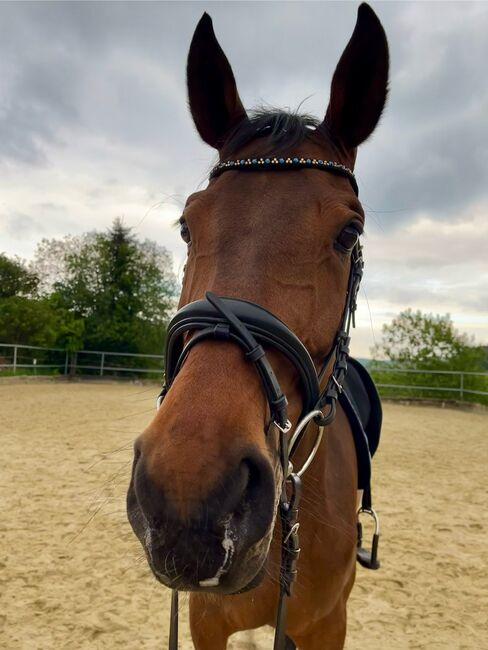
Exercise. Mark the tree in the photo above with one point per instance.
(98, 291)
(427, 341)
(15, 278)
(49, 263)
(26, 321)
(122, 288)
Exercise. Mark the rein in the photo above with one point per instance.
(252, 327)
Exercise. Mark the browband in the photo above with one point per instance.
(288, 163)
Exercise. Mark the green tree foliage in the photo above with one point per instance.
(16, 279)
(24, 318)
(417, 341)
(27, 321)
(70, 329)
(121, 288)
(100, 291)
(50, 257)
(427, 341)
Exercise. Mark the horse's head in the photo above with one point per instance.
(206, 475)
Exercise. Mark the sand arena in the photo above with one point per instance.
(72, 575)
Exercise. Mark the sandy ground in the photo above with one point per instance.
(72, 575)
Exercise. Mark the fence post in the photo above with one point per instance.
(461, 386)
(66, 359)
(15, 360)
(72, 363)
(102, 363)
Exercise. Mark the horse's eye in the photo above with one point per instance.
(185, 231)
(348, 238)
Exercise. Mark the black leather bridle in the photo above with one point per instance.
(255, 329)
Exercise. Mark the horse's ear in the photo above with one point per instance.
(360, 82)
(212, 92)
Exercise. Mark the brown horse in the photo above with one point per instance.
(206, 477)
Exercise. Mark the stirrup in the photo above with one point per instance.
(368, 559)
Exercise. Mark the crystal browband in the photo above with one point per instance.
(285, 163)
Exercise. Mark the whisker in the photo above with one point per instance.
(133, 415)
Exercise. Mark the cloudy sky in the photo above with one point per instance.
(94, 125)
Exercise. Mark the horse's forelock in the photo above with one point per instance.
(276, 131)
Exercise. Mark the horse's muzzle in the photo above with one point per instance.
(222, 543)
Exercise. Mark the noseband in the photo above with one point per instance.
(254, 329)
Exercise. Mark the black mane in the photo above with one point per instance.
(282, 129)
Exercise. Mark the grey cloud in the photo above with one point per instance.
(432, 247)
(107, 49)
(36, 103)
(18, 140)
(439, 172)
(19, 225)
(472, 297)
(117, 70)
(97, 90)
(430, 151)
(76, 68)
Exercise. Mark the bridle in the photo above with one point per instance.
(254, 329)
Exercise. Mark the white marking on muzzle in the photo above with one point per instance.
(147, 537)
(228, 546)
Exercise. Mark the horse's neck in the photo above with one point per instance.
(331, 480)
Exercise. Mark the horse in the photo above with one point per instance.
(273, 242)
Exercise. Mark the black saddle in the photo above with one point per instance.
(361, 403)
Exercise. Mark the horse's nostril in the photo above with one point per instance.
(243, 489)
(205, 548)
(231, 497)
(244, 477)
(250, 477)
(255, 507)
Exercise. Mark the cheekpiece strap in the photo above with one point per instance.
(255, 353)
(333, 388)
(293, 162)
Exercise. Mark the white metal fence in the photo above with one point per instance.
(32, 360)
(456, 383)
(405, 382)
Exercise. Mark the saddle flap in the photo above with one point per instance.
(361, 403)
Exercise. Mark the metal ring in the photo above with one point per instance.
(300, 427)
(372, 513)
(311, 456)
